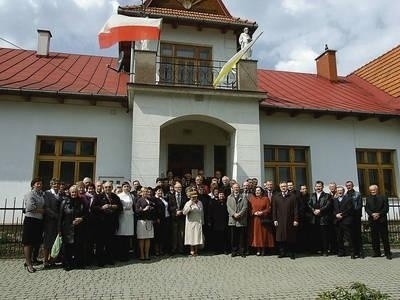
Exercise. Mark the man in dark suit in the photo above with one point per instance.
(320, 204)
(176, 202)
(333, 247)
(246, 189)
(269, 189)
(218, 176)
(226, 186)
(292, 189)
(304, 229)
(342, 212)
(285, 216)
(377, 207)
(105, 209)
(357, 214)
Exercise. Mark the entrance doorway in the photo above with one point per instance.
(220, 159)
(184, 158)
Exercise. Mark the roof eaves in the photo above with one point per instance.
(302, 109)
(59, 94)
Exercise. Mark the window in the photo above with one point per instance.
(69, 159)
(286, 163)
(185, 64)
(376, 167)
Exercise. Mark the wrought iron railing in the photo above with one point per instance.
(179, 71)
(11, 220)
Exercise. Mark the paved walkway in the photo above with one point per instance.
(202, 277)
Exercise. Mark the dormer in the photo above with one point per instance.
(197, 38)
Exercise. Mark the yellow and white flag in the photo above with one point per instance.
(230, 64)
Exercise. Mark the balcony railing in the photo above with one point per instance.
(178, 71)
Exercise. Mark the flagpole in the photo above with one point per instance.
(132, 66)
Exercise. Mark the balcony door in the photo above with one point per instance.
(185, 64)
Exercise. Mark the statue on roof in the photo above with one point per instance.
(244, 40)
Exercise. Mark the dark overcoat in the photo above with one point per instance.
(285, 211)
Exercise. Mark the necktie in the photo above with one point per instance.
(178, 200)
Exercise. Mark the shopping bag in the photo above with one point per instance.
(55, 250)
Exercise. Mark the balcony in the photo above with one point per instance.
(169, 71)
(178, 71)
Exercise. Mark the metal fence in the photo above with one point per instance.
(11, 220)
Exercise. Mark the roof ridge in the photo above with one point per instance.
(296, 72)
(56, 52)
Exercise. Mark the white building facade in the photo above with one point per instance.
(182, 123)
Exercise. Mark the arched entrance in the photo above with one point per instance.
(191, 143)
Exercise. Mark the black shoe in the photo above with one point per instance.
(341, 255)
(292, 256)
(376, 255)
(353, 257)
(243, 255)
(389, 256)
(281, 255)
(37, 262)
(67, 268)
(30, 269)
(233, 254)
(47, 266)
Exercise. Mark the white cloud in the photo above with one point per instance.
(295, 6)
(86, 4)
(359, 30)
(293, 29)
(34, 5)
(300, 60)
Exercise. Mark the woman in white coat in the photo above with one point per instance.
(193, 210)
(125, 230)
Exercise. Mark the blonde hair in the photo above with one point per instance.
(143, 190)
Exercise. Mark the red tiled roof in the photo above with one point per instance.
(22, 70)
(61, 73)
(288, 90)
(216, 6)
(383, 72)
(187, 15)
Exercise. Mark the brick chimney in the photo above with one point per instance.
(43, 42)
(326, 65)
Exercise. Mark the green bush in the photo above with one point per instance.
(356, 291)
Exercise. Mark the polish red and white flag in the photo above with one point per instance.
(119, 28)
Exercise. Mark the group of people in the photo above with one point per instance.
(100, 224)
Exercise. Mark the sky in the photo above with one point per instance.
(295, 31)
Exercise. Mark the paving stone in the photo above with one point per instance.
(202, 277)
